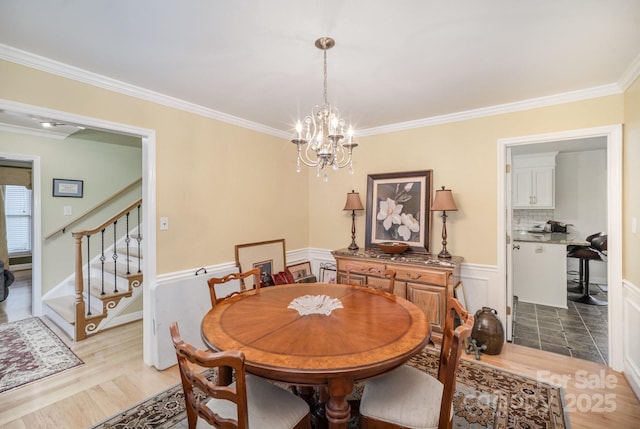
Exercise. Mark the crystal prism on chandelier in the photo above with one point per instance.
(321, 139)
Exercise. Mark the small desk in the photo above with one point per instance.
(372, 334)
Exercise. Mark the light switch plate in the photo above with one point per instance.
(164, 223)
(68, 211)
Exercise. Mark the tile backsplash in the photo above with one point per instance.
(525, 219)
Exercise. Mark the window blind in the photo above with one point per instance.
(17, 206)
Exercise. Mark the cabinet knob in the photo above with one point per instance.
(516, 247)
(416, 277)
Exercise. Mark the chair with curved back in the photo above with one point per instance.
(249, 402)
(407, 396)
(213, 281)
(389, 275)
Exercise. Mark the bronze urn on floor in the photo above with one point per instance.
(487, 331)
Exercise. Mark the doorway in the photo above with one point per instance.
(613, 137)
(545, 269)
(147, 137)
(16, 240)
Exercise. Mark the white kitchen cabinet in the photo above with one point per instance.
(540, 273)
(533, 179)
(533, 188)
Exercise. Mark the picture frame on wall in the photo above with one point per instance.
(68, 188)
(269, 256)
(398, 209)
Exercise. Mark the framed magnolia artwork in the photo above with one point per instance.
(398, 209)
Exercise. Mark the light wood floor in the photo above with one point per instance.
(114, 378)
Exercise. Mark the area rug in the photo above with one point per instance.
(486, 397)
(30, 351)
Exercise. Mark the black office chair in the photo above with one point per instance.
(594, 252)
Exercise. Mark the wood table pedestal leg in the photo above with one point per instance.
(338, 408)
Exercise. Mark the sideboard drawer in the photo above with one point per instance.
(418, 275)
(342, 264)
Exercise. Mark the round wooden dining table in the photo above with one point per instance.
(318, 334)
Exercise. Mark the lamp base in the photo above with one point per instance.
(444, 254)
(353, 246)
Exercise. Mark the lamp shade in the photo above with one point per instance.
(353, 201)
(444, 201)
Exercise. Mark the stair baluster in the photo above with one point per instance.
(102, 259)
(139, 238)
(127, 240)
(115, 258)
(88, 276)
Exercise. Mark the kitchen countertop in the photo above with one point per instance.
(549, 238)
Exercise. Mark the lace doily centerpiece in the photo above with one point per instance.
(315, 304)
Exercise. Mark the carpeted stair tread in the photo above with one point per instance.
(133, 251)
(64, 306)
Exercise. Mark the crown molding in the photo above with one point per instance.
(41, 63)
(64, 70)
(630, 74)
(500, 109)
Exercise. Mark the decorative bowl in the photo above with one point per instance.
(393, 247)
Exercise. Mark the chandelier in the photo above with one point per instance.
(321, 139)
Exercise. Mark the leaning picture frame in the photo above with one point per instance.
(398, 209)
(68, 188)
(300, 270)
(269, 256)
(328, 272)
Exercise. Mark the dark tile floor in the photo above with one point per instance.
(579, 331)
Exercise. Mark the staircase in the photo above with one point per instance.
(101, 289)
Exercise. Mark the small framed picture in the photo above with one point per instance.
(67, 188)
(328, 273)
(300, 270)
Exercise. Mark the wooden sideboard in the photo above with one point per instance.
(423, 279)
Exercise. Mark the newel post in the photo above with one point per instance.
(79, 287)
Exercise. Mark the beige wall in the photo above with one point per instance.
(631, 180)
(463, 157)
(219, 184)
(215, 185)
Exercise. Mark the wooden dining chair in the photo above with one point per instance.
(249, 402)
(407, 396)
(389, 275)
(213, 281)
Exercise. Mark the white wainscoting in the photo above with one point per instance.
(184, 297)
(631, 321)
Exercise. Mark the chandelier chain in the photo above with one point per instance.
(324, 49)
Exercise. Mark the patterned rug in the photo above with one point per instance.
(486, 397)
(29, 351)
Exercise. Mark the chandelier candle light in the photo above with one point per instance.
(323, 133)
(444, 201)
(353, 204)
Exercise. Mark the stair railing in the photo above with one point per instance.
(85, 321)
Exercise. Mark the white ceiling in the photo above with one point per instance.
(393, 62)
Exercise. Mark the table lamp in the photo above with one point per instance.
(444, 201)
(353, 204)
